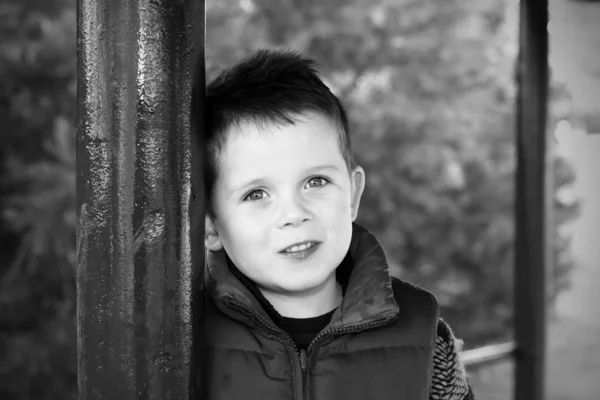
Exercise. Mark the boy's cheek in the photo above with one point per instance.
(343, 203)
(249, 222)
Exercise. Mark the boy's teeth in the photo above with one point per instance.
(299, 248)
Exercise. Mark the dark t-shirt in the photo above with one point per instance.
(304, 330)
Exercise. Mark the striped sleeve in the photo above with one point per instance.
(449, 379)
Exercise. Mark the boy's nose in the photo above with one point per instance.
(294, 221)
(293, 214)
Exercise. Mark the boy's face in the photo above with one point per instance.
(279, 186)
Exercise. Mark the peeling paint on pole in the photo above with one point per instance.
(136, 312)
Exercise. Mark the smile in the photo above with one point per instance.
(300, 250)
(301, 247)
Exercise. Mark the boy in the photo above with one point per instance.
(301, 304)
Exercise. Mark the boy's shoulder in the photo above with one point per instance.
(418, 312)
(412, 297)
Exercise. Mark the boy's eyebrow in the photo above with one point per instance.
(324, 166)
(261, 181)
(253, 182)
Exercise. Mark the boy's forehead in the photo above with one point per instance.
(270, 134)
(252, 126)
(259, 148)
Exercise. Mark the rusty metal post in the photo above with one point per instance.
(533, 258)
(137, 311)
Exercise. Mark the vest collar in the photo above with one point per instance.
(364, 273)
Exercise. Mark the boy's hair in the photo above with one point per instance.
(270, 86)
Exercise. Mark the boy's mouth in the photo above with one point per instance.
(299, 247)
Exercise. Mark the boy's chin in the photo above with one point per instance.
(308, 286)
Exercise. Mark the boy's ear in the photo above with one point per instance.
(357, 183)
(212, 241)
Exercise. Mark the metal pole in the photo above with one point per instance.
(533, 206)
(136, 309)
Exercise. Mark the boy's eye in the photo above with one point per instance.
(255, 195)
(317, 181)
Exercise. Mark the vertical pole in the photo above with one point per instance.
(533, 209)
(136, 285)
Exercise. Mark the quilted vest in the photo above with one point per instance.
(378, 345)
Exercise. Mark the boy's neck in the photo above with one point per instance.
(325, 298)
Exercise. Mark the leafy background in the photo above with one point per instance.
(430, 91)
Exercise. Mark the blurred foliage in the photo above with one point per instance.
(37, 199)
(429, 88)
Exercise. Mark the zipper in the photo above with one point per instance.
(349, 329)
(304, 373)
